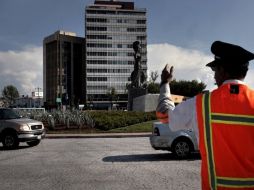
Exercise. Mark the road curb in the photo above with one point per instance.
(115, 135)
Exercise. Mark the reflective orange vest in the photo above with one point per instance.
(226, 137)
(162, 117)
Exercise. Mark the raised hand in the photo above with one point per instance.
(167, 74)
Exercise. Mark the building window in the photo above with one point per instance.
(131, 13)
(101, 12)
(97, 70)
(102, 20)
(96, 28)
(99, 45)
(97, 53)
(97, 62)
(109, 62)
(141, 38)
(141, 21)
(101, 37)
(97, 87)
(96, 78)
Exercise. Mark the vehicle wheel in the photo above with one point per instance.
(33, 143)
(10, 140)
(182, 148)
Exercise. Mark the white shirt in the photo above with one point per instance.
(184, 115)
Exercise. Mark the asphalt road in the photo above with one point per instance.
(96, 163)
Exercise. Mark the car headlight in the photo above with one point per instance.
(24, 128)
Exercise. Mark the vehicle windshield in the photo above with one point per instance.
(8, 114)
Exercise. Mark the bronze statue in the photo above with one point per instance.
(138, 76)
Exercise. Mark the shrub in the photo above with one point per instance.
(103, 120)
(67, 119)
(106, 120)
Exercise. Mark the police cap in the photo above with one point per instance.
(229, 54)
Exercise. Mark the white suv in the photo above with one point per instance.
(181, 142)
(15, 129)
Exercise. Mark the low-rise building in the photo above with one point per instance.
(33, 101)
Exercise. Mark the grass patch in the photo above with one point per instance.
(140, 127)
(136, 128)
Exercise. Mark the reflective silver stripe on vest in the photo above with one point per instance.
(232, 119)
(225, 119)
(235, 182)
(208, 136)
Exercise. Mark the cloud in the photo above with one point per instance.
(23, 69)
(188, 64)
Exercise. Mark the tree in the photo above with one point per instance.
(112, 95)
(10, 93)
(182, 87)
(187, 88)
(154, 75)
(153, 88)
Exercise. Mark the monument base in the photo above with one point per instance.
(149, 102)
(134, 93)
(145, 103)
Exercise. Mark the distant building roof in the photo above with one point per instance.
(177, 98)
(116, 4)
(65, 33)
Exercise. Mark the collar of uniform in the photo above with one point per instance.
(234, 81)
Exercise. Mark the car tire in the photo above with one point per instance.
(182, 148)
(33, 143)
(10, 140)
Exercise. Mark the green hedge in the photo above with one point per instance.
(66, 119)
(106, 120)
(103, 120)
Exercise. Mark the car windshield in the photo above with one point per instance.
(8, 114)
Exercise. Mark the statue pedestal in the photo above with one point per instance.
(133, 93)
(145, 103)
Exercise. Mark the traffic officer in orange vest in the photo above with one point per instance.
(223, 120)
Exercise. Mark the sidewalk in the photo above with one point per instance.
(99, 135)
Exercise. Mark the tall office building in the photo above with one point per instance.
(63, 69)
(110, 29)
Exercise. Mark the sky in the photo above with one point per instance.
(180, 33)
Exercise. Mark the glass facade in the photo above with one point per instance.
(110, 29)
(63, 69)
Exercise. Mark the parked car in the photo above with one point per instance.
(15, 129)
(181, 143)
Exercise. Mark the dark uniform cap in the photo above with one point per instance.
(226, 53)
